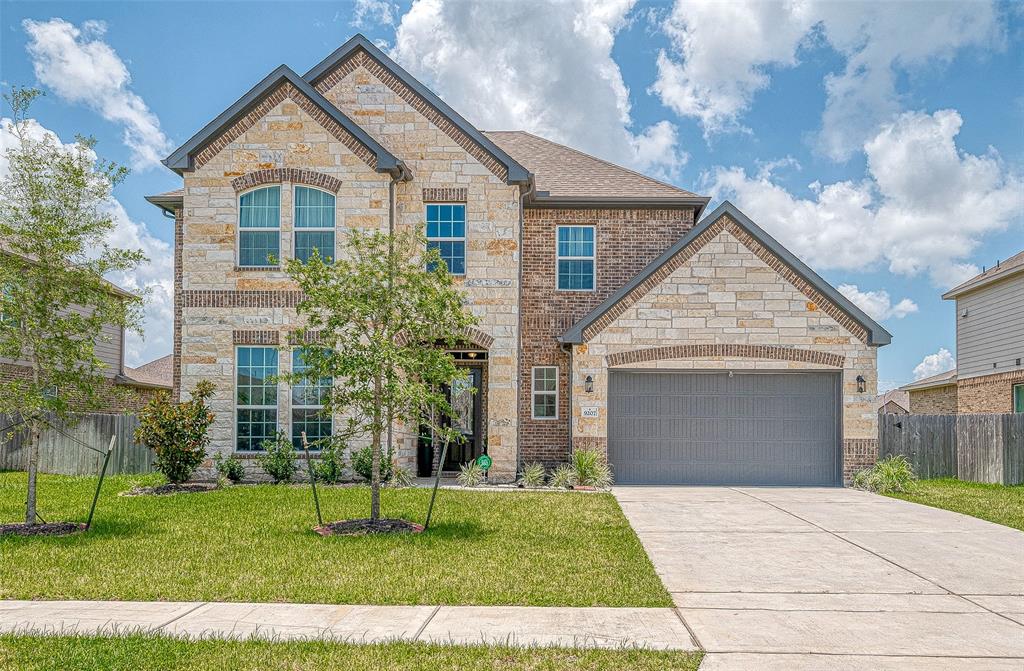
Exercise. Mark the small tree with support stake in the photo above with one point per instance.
(379, 320)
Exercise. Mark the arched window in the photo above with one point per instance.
(314, 223)
(259, 226)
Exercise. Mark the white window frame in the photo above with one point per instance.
(534, 393)
(306, 229)
(262, 229)
(238, 406)
(592, 258)
(462, 238)
(294, 406)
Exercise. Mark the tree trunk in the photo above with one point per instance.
(33, 469)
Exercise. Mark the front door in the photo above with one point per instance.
(465, 399)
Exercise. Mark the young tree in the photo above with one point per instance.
(53, 256)
(380, 320)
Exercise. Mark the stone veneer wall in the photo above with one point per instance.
(731, 310)
(934, 401)
(626, 241)
(987, 393)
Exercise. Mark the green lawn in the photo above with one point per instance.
(996, 503)
(142, 653)
(254, 543)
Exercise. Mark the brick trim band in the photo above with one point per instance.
(256, 337)
(770, 352)
(278, 175)
(361, 58)
(278, 95)
(726, 224)
(1008, 376)
(240, 299)
(445, 195)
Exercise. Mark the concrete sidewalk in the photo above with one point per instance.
(653, 628)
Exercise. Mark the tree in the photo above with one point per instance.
(54, 253)
(378, 322)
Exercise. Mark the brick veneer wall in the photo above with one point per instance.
(988, 393)
(858, 454)
(626, 241)
(114, 398)
(934, 401)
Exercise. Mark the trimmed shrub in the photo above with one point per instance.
(470, 475)
(892, 475)
(331, 466)
(279, 458)
(230, 468)
(532, 476)
(563, 477)
(590, 469)
(177, 432)
(362, 463)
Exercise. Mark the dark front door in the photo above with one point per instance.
(465, 399)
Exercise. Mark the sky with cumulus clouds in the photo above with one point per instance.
(881, 142)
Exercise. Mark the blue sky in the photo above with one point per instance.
(882, 143)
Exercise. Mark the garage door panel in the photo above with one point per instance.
(710, 428)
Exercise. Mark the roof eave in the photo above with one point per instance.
(131, 382)
(167, 203)
(697, 203)
(967, 287)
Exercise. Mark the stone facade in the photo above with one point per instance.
(735, 311)
(547, 312)
(934, 401)
(987, 393)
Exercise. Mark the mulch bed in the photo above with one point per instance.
(47, 529)
(364, 527)
(171, 488)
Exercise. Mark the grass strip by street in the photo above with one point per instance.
(996, 503)
(255, 544)
(145, 653)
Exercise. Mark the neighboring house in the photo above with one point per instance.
(157, 375)
(893, 402)
(989, 377)
(614, 312)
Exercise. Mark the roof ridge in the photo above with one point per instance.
(598, 159)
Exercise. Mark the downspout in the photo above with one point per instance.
(530, 190)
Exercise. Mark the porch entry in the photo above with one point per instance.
(466, 399)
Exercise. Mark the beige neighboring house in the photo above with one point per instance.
(989, 377)
(615, 313)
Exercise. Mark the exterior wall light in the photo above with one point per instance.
(588, 384)
(862, 385)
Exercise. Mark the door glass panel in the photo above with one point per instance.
(462, 405)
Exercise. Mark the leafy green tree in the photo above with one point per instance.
(178, 433)
(54, 253)
(380, 319)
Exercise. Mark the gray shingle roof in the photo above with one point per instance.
(156, 373)
(1011, 266)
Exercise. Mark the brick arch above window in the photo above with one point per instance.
(767, 352)
(278, 175)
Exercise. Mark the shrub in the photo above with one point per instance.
(279, 458)
(470, 475)
(331, 466)
(230, 468)
(892, 475)
(400, 476)
(563, 477)
(177, 432)
(591, 469)
(362, 463)
(532, 475)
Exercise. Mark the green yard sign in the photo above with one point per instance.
(484, 462)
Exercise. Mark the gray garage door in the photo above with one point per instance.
(709, 428)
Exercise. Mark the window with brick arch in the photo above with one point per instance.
(314, 223)
(259, 227)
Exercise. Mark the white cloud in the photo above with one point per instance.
(922, 208)
(546, 68)
(81, 68)
(877, 304)
(373, 12)
(155, 278)
(933, 364)
(723, 53)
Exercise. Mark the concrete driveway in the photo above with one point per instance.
(815, 578)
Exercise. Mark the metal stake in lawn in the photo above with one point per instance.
(103, 472)
(312, 480)
(437, 481)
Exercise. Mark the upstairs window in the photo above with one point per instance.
(575, 253)
(307, 405)
(446, 232)
(255, 397)
(259, 226)
(314, 223)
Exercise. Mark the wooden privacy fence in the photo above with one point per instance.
(976, 448)
(63, 450)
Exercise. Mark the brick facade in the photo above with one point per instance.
(113, 397)
(987, 393)
(626, 241)
(934, 401)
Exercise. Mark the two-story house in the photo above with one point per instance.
(989, 377)
(615, 313)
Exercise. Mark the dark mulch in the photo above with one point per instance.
(368, 526)
(48, 529)
(171, 488)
